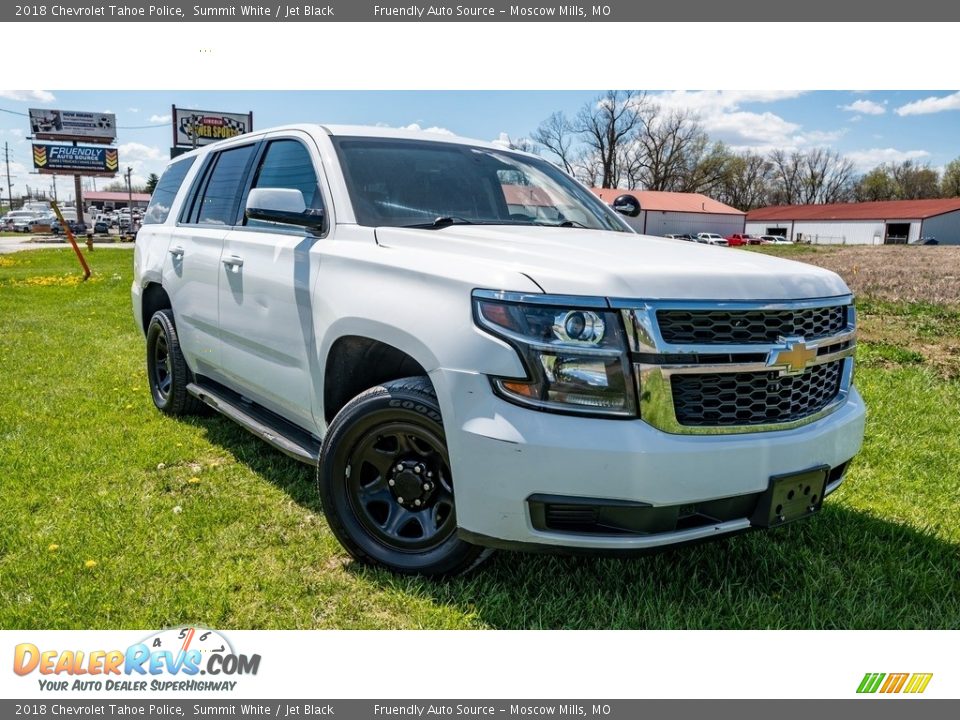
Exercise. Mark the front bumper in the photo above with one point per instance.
(502, 455)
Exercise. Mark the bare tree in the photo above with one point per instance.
(605, 125)
(746, 182)
(950, 183)
(557, 135)
(666, 147)
(914, 181)
(811, 177)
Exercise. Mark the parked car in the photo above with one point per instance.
(77, 228)
(464, 376)
(740, 239)
(41, 223)
(774, 240)
(101, 227)
(711, 239)
(19, 220)
(925, 241)
(684, 236)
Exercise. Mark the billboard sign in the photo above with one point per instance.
(74, 160)
(92, 127)
(194, 128)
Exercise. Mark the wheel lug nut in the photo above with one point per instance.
(430, 474)
(391, 483)
(398, 468)
(400, 500)
(418, 469)
(416, 502)
(426, 486)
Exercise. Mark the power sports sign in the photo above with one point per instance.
(193, 128)
(72, 160)
(73, 125)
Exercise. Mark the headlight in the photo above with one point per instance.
(575, 357)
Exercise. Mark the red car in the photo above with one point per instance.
(738, 239)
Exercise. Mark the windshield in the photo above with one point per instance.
(411, 183)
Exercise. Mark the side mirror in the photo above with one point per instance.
(283, 205)
(627, 205)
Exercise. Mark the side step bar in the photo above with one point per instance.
(284, 436)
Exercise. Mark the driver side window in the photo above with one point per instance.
(287, 164)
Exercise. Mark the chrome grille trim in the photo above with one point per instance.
(653, 375)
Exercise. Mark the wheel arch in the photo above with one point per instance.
(154, 297)
(355, 363)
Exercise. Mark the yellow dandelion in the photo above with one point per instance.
(90, 564)
(53, 547)
(193, 480)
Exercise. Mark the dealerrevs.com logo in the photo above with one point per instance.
(179, 659)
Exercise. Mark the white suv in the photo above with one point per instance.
(476, 352)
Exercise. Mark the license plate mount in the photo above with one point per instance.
(791, 497)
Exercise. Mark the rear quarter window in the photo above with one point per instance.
(163, 195)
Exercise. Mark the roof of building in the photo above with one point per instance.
(883, 210)
(669, 201)
(115, 196)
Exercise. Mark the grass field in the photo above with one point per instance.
(116, 516)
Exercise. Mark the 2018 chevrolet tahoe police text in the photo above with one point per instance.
(479, 353)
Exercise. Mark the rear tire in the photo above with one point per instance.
(384, 479)
(167, 370)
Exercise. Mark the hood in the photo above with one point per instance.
(573, 261)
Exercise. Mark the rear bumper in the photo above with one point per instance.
(502, 455)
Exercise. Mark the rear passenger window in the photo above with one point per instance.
(163, 195)
(287, 164)
(221, 196)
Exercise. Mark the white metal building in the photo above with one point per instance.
(674, 213)
(867, 223)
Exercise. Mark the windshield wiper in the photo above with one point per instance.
(442, 222)
(562, 223)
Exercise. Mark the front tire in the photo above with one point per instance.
(167, 370)
(385, 482)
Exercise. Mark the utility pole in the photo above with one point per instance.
(6, 155)
(55, 188)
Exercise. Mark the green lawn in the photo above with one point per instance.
(197, 522)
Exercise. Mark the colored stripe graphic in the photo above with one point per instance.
(111, 160)
(918, 682)
(870, 682)
(39, 156)
(894, 683)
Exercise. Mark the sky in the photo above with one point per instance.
(869, 127)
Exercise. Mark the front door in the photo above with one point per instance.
(267, 272)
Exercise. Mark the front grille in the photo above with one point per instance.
(742, 327)
(750, 398)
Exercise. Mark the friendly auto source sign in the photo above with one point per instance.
(70, 160)
(193, 128)
(72, 125)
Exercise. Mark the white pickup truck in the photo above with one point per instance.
(477, 353)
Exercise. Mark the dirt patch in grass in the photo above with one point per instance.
(897, 273)
(908, 299)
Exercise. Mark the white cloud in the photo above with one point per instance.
(17, 132)
(415, 127)
(869, 159)
(722, 116)
(133, 109)
(864, 107)
(160, 118)
(930, 105)
(144, 159)
(41, 96)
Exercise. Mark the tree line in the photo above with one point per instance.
(624, 138)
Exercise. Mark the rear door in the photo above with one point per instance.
(194, 254)
(267, 271)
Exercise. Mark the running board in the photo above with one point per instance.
(284, 436)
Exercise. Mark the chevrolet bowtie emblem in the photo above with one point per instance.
(793, 358)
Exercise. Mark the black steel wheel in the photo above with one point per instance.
(167, 370)
(386, 485)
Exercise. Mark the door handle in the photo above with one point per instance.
(233, 261)
(177, 251)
